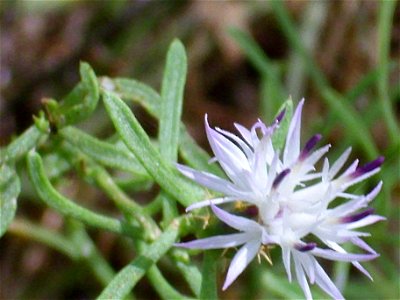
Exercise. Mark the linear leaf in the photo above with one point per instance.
(10, 188)
(62, 204)
(139, 143)
(172, 99)
(105, 153)
(134, 91)
(131, 90)
(127, 278)
(25, 142)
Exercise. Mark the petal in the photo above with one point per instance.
(333, 255)
(366, 221)
(301, 277)
(243, 145)
(362, 269)
(363, 245)
(309, 146)
(209, 202)
(245, 133)
(239, 223)
(217, 242)
(357, 203)
(209, 180)
(323, 280)
(292, 147)
(286, 262)
(240, 261)
(339, 163)
(230, 156)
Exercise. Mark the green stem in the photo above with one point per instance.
(127, 278)
(51, 239)
(91, 255)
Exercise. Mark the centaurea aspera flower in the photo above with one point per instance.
(289, 209)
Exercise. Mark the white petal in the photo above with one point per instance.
(357, 203)
(292, 147)
(209, 180)
(362, 269)
(229, 155)
(244, 132)
(352, 181)
(239, 223)
(244, 146)
(339, 163)
(333, 255)
(323, 280)
(208, 202)
(366, 221)
(217, 242)
(301, 277)
(363, 245)
(240, 261)
(286, 261)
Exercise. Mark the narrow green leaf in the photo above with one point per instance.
(172, 99)
(131, 90)
(279, 137)
(26, 141)
(139, 143)
(104, 153)
(170, 116)
(134, 91)
(80, 103)
(62, 204)
(209, 275)
(127, 278)
(10, 188)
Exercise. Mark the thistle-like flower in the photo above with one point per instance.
(294, 201)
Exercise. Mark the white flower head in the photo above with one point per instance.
(293, 201)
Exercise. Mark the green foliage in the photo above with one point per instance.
(45, 155)
(10, 187)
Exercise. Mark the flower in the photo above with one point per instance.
(295, 203)
(250, 237)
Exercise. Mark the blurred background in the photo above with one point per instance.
(42, 43)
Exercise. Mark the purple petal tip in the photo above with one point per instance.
(358, 216)
(278, 179)
(306, 247)
(309, 145)
(369, 166)
(281, 115)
